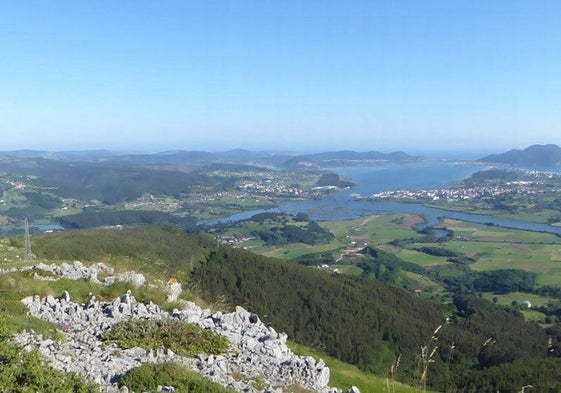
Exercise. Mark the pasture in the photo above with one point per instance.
(503, 248)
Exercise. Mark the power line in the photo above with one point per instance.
(28, 253)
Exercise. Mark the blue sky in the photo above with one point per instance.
(291, 75)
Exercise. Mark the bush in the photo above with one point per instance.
(181, 337)
(149, 376)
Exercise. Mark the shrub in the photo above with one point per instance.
(149, 376)
(181, 337)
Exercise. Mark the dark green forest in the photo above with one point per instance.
(368, 323)
(311, 234)
(110, 184)
(95, 218)
(333, 179)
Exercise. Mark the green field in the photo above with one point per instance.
(350, 235)
(348, 269)
(492, 247)
(418, 257)
(295, 250)
(428, 286)
(377, 229)
(519, 297)
(503, 248)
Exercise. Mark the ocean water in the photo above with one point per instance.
(373, 179)
(425, 175)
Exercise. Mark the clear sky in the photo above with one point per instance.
(288, 74)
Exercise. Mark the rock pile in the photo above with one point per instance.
(82, 351)
(78, 271)
(256, 353)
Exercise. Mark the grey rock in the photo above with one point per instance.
(133, 277)
(51, 301)
(65, 297)
(174, 289)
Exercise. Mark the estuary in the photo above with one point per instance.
(415, 176)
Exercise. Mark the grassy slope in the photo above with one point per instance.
(344, 375)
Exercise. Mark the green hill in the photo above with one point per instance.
(535, 155)
(358, 320)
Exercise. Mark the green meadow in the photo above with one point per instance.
(350, 235)
(491, 247)
(377, 229)
(518, 297)
(418, 257)
(502, 248)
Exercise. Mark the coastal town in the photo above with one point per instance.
(452, 194)
(530, 183)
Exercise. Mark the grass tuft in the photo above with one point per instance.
(149, 376)
(181, 337)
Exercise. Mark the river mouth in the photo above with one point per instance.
(438, 174)
(335, 210)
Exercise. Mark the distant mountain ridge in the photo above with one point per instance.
(347, 157)
(78, 155)
(203, 158)
(535, 155)
(171, 157)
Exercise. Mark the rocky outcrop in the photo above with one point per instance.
(173, 289)
(256, 353)
(82, 350)
(78, 271)
(259, 352)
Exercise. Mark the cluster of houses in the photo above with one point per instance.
(452, 194)
(269, 187)
(150, 201)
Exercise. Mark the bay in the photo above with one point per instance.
(415, 176)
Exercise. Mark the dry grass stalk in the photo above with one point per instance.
(427, 353)
(393, 371)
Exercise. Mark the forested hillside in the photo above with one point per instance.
(358, 320)
(108, 184)
(368, 323)
(535, 155)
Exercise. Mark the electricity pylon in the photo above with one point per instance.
(28, 253)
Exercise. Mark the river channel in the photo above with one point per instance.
(418, 176)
